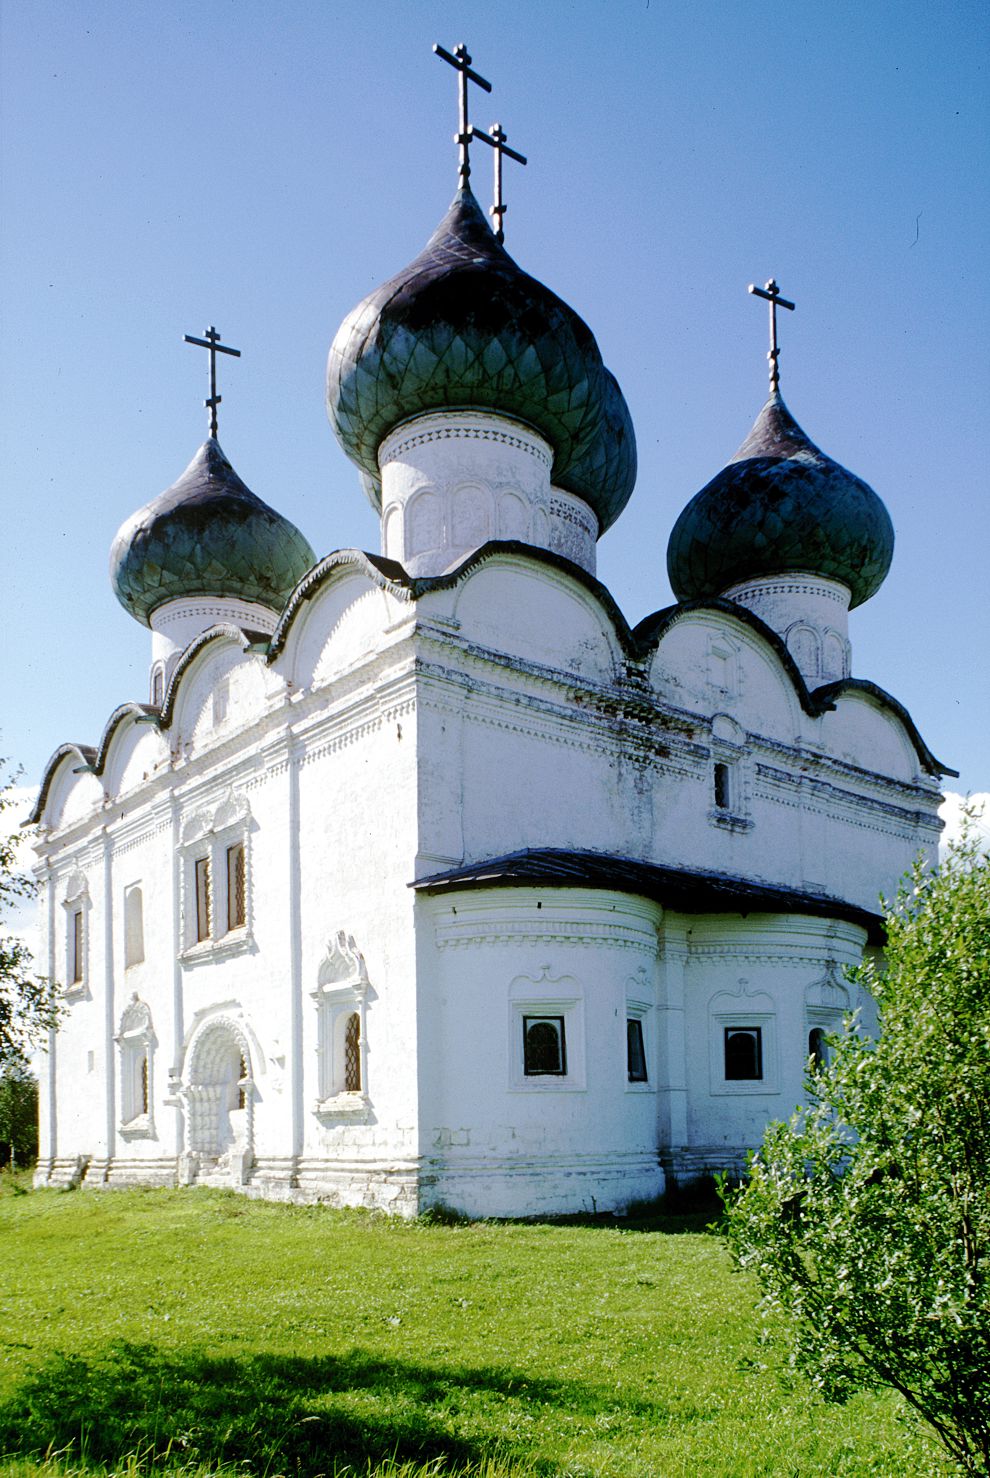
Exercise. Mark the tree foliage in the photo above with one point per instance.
(28, 1004)
(866, 1218)
(18, 1116)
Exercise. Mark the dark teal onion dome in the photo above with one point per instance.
(207, 535)
(462, 326)
(780, 506)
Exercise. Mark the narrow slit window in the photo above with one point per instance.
(76, 946)
(144, 1082)
(236, 887)
(203, 901)
(352, 1054)
(133, 927)
(723, 788)
(158, 687)
(743, 1054)
(635, 1050)
(544, 1051)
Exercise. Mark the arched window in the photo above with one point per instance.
(817, 1047)
(158, 686)
(340, 998)
(743, 1053)
(544, 1049)
(133, 927)
(135, 1040)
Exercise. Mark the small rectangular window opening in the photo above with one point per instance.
(723, 788)
(352, 1054)
(203, 901)
(76, 946)
(236, 892)
(635, 1050)
(743, 1054)
(544, 1051)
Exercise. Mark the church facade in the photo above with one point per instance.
(422, 878)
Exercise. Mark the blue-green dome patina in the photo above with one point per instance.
(207, 535)
(780, 505)
(463, 326)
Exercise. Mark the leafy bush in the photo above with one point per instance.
(867, 1217)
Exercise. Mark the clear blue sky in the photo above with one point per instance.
(260, 165)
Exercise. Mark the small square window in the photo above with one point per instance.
(544, 1050)
(635, 1050)
(236, 914)
(743, 1054)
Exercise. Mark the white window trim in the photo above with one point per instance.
(546, 997)
(641, 1011)
(211, 837)
(136, 1042)
(723, 1016)
(342, 989)
(76, 900)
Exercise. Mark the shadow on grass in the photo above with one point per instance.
(271, 1413)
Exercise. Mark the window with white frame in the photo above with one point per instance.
(827, 1002)
(635, 1050)
(135, 1042)
(544, 1046)
(76, 906)
(217, 880)
(341, 998)
(728, 805)
(133, 926)
(743, 1042)
(546, 1033)
(639, 1037)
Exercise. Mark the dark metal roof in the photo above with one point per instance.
(207, 535)
(685, 890)
(780, 505)
(464, 326)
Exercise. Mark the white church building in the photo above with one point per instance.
(422, 878)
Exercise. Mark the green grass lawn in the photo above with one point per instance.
(199, 1331)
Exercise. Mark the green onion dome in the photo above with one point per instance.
(462, 326)
(780, 506)
(207, 535)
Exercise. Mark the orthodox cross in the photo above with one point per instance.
(772, 294)
(497, 137)
(212, 342)
(461, 62)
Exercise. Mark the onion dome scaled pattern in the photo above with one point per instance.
(207, 535)
(780, 506)
(464, 327)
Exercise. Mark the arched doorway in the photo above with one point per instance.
(219, 1097)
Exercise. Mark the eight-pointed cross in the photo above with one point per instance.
(461, 62)
(496, 136)
(212, 342)
(772, 294)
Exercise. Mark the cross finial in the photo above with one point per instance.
(772, 294)
(461, 62)
(213, 344)
(497, 137)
